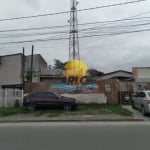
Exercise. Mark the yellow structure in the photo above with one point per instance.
(75, 70)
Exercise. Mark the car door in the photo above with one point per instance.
(135, 100)
(35, 98)
(41, 99)
(140, 99)
(53, 100)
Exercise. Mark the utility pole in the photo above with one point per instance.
(73, 36)
(23, 68)
(31, 72)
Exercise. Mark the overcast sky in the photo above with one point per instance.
(111, 50)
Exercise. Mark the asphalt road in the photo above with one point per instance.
(75, 136)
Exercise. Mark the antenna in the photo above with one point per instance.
(73, 36)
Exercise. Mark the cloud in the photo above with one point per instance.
(106, 53)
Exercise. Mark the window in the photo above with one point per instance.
(148, 93)
(51, 95)
(37, 94)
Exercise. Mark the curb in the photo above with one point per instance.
(71, 120)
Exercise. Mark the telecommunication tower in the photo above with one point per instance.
(73, 36)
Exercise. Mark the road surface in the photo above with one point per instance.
(75, 136)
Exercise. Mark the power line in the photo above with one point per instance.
(99, 28)
(64, 12)
(117, 33)
(28, 29)
(88, 23)
(82, 31)
(119, 4)
(96, 35)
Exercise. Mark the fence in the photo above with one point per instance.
(89, 98)
(9, 97)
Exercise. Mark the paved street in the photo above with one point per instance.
(75, 136)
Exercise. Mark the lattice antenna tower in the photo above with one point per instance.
(73, 36)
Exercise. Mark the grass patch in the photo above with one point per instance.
(87, 109)
(96, 109)
(4, 112)
(83, 109)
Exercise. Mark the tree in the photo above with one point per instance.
(28, 73)
(59, 64)
(94, 73)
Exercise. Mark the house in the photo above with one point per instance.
(11, 71)
(141, 76)
(39, 64)
(116, 85)
(52, 75)
(120, 75)
(13, 67)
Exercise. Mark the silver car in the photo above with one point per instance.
(141, 101)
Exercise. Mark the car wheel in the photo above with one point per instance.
(31, 107)
(143, 111)
(67, 107)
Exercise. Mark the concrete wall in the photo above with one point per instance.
(99, 98)
(38, 62)
(89, 98)
(141, 74)
(10, 69)
(9, 97)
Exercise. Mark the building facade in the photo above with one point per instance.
(141, 76)
(13, 67)
(11, 71)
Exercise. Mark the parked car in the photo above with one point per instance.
(126, 100)
(141, 101)
(48, 99)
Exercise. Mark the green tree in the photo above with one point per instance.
(28, 73)
(59, 64)
(94, 73)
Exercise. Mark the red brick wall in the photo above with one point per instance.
(113, 86)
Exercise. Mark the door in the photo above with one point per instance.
(51, 99)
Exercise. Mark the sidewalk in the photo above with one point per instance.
(75, 118)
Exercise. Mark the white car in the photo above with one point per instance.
(141, 101)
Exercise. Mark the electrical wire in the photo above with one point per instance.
(96, 35)
(64, 12)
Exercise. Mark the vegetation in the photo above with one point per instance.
(4, 112)
(83, 109)
(94, 73)
(28, 74)
(59, 64)
(17, 103)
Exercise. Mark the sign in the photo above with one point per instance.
(75, 72)
(107, 88)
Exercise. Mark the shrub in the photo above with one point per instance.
(17, 103)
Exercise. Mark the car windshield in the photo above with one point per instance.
(57, 94)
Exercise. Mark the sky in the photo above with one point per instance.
(110, 38)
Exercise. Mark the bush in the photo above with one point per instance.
(17, 103)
